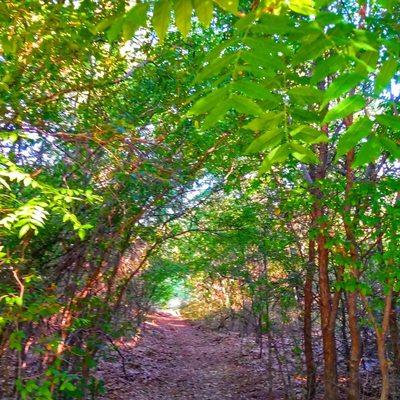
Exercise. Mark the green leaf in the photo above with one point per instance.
(15, 340)
(344, 108)
(366, 62)
(255, 91)
(267, 121)
(384, 76)
(263, 55)
(31, 386)
(23, 231)
(325, 18)
(368, 152)
(327, 66)
(390, 121)
(391, 146)
(18, 301)
(67, 386)
(228, 5)
(264, 46)
(305, 7)
(217, 114)
(208, 102)
(4, 183)
(305, 94)
(365, 290)
(278, 154)
(362, 45)
(244, 105)
(264, 141)
(161, 18)
(215, 53)
(204, 11)
(358, 130)
(310, 50)
(134, 19)
(183, 15)
(256, 60)
(245, 21)
(12, 136)
(340, 86)
(309, 135)
(273, 24)
(303, 154)
(103, 25)
(115, 29)
(215, 67)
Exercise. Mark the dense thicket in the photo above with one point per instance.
(249, 149)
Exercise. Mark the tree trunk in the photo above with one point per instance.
(380, 338)
(384, 365)
(327, 319)
(355, 351)
(395, 342)
(328, 333)
(343, 327)
(307, 327)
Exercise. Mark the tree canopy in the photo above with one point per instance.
(241, 154)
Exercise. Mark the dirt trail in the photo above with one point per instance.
(176, 360)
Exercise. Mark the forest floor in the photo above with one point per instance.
(175, 359)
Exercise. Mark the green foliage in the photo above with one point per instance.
(42, 200)
(357, 131)
(127, 166)
(388, 69)
(346, 107)
(161, 17)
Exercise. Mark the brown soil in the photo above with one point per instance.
(177, 360)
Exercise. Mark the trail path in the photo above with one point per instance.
(176, 360)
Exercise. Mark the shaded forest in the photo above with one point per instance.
(233, 162)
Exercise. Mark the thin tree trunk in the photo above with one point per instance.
(307, 327)
(395, 342)
(352, 297)
(269, 367)
(355, 351)
(380, 333)
(384, 366)
(343, 327)
(327, 319)
(328, 334)
(381, 336)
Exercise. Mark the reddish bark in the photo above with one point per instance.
(352, 298)
(395, 342)
(328, 314)
(307, 327)
(381, 344)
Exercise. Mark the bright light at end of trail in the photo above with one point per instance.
(176, 302)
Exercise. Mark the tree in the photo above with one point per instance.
(118, 142)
